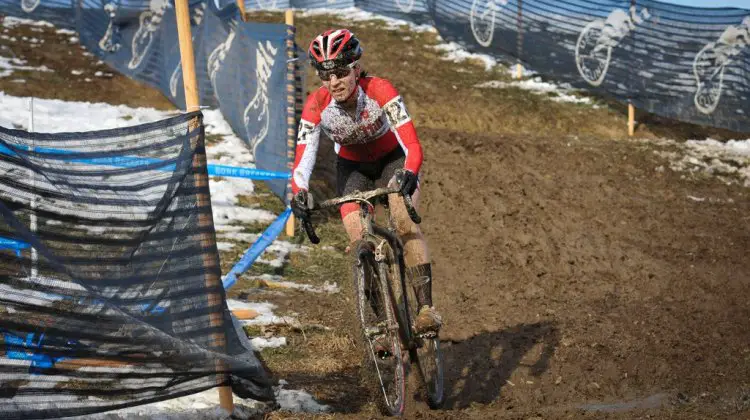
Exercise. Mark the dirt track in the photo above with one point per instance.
(574, 272)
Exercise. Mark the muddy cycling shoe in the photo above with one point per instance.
(428, 321)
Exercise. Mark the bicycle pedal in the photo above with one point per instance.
(428, 334)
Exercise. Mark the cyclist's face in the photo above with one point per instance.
(341, 82)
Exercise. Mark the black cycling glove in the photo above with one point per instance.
(408, 182)
(301, 205)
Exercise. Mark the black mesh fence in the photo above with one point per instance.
(121, 303)
(686, 63)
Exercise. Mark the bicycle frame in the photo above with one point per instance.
(372, 250)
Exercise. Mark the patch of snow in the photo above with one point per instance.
(327, 287)
(260, 343)
(9, 65)
(456, 53)
(539, 87)
(297, 401)
(265, 311)
(224, 246)
(359, 15)
(13, 22)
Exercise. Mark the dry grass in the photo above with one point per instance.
(61, 83)
(311, 352)
(262, 198)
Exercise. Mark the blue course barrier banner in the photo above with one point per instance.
(240, 67)
(257, 248)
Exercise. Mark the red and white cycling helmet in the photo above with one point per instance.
(334, 48)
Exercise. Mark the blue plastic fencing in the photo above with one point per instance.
(14, 245)
(256, 249)
(125, 279)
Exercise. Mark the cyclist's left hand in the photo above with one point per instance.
(301, 205)
(408, 182)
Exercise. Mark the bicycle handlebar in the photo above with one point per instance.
(365, 196)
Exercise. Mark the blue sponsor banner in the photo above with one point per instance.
(240, 67)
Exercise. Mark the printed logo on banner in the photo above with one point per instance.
(217, 56)
(174, 80)
(598, 37)
(149, 22)
(267, 4)
(257, 129)
(197, 13)
(107, 43)
(482, 19)
(29, 6)
(711, 60)
(406, 6)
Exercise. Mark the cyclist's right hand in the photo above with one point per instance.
(302, 203)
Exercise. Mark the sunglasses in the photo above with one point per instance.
(339, 72)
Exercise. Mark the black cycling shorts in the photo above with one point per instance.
(364, 176)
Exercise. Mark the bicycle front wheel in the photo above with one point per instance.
(382, 344)
(426, 353)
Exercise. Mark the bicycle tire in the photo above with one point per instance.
(380, 335)
(428, 357)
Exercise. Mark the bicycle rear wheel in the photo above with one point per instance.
(382, 343)
(427, 354)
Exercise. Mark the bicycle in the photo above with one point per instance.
(384, 310)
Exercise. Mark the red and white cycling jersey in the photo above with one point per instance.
(379, 125)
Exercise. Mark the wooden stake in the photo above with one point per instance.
(631, 119)
(241, 6)
(243, 314)
(519, 71)
(208, 240)
(289, 20)
(290, 226)
(289, 17)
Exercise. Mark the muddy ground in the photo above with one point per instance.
(579, 277)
